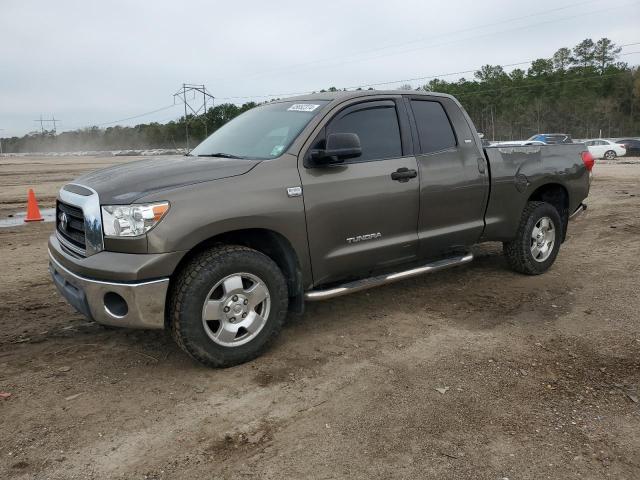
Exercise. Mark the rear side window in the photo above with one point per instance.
(377, 128)
(434, 128)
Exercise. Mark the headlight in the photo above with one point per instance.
(131, 220)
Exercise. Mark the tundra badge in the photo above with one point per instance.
(360, 238)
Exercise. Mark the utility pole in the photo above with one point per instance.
(201, 110)
(1, 130)
(186, 122)
(47, 120)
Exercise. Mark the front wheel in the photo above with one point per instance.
(537, 241)
(610, 155)
(227, 305)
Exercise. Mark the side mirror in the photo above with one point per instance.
(340, 147)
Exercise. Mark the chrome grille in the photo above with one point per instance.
(70, 225)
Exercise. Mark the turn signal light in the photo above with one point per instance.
(159, 210)
(588, 160)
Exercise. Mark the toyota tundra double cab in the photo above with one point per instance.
(304, 199)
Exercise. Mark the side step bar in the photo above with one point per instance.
(371, 282)
(581, 208)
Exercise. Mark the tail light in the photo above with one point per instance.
(588, 160)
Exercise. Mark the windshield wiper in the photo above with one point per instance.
(221, 155)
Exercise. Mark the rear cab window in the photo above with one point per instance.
(435, 132)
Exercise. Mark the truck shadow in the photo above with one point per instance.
(480, 295)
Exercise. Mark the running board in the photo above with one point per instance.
(578, 211)
(371, 282)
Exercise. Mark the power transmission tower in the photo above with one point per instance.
(47, 120)
(202, 108)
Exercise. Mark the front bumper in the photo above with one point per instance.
(134, 305)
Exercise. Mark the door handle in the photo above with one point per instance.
(403, 174)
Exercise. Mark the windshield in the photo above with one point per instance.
(537, 138)
(260, 133)
(552, 138)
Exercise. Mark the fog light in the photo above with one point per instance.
(115, 305)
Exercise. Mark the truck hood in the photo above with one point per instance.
(125, 183)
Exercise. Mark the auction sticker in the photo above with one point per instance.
(303, 107)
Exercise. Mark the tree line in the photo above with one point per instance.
(585, 91)
(142, 136)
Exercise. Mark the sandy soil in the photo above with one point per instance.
(539, 377)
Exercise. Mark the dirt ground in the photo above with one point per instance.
(472, 373)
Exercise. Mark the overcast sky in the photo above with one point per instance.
(90, 62)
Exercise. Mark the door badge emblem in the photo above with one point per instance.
(294, 191)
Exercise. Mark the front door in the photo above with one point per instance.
(359, 218)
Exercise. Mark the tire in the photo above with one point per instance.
(110, 328)
(194, 297)
(610, 155)
(521, 252)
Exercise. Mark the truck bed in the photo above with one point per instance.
(516, 172)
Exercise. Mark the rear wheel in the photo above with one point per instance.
(537, 241)
(228, 304)
(610, 155)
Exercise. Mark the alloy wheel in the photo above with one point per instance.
(236, 309)
(543, 238)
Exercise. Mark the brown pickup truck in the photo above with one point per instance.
(304, 199)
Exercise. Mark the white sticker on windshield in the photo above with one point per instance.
(277, 150)
(303, 107)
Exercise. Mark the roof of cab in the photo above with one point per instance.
(342, 95)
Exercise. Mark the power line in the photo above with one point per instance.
(419, 40)
(461, 72)
(135, 116)
(140, 115)
(459, 40)
(405, 80)
(515, 29)
(352, 87)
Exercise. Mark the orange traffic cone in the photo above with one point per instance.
(33, 212)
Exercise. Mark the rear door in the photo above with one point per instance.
(359, 218)
(454, 178)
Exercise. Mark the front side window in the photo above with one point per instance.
(434, 129)
(261, 133)
(377, 128)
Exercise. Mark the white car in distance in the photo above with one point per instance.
(601, 148)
